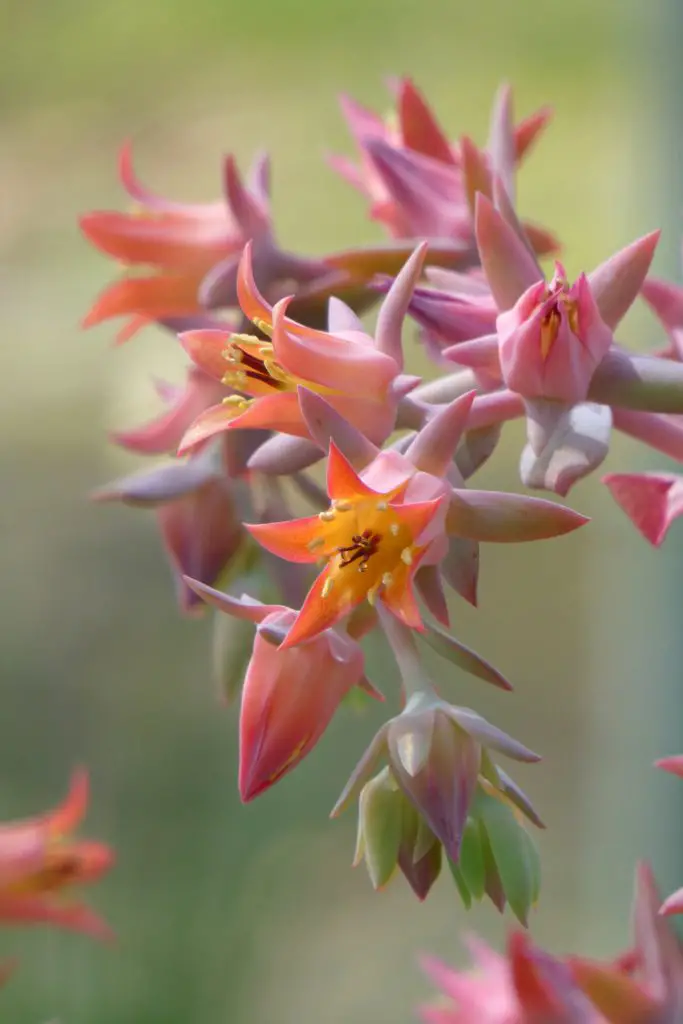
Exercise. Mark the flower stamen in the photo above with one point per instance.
(363, 546)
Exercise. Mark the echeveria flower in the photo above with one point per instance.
(372, 541)
(182, 242)
(361, 376)
(529, 986)
(289, 695)
(436, 753)
(428, 470)
(40, 864)
(552, 340)
(416, 180)
(526, 986)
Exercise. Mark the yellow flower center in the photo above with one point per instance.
(563, 305)
(251, 359)
(59, 869)
(366, 547)
(253, 368)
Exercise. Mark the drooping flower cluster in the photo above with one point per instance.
(284, 375)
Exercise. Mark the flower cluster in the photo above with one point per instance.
(529, 986)
(284, 379)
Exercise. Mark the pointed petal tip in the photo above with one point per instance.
(672, 905)
(673, 764)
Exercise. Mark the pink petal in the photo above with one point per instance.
(616, 282)
(671, 764)
(501, 143)
(652, 501)
(505, 518)
(393, 310)
(672, 904)
(420, 130)
(665, 299)
(510, 268)
(433, 448)
(240, 608)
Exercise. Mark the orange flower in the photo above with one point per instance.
(360, 375)
(371, 542)
(181, 242)
(38, 862)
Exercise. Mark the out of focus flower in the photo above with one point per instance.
(526, 986)
(40, 863)
(665, 299)
(360, 375)
(417, 182)
(529, 986)
(181, 242)
(193, 250)
(197, 504)
(289, 695)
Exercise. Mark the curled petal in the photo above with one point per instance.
(395, 306)
(672, 904)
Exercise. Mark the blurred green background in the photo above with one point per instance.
(252, 915)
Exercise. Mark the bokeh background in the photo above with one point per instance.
(252, 915)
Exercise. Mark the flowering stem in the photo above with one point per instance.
(402, 643)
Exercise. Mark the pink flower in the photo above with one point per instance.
(526, 986)
(418, 182)
(529, 986)
(181, 242)
(552, 340)
(360, 375)
(652, 501)
(40, 863)
(289, 695)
